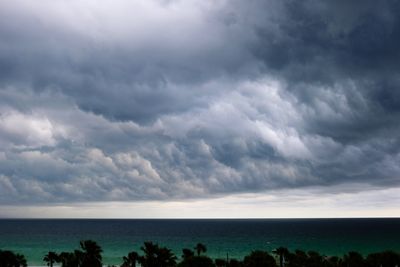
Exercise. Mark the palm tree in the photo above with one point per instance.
(297, 259)
(385, 258)
(166, 258)
(353, 259)
(20, 261)
(259, 259)
(155, 256)
(10, 259)
(187, 253)
(149, 258)
(282, 252)
(71, 259)
(50, 258)
(314, 259)
(200, 248)
(131, 260)
(220, 262)
(91, 254)
(65, 258)
(333, 261)
(197, 261)
(235, 263)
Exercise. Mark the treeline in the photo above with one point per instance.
(153, 255)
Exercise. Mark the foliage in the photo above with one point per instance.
(235, 263)
(220, 262)
(130, 260)
(51, 258)
(197, 261)
(200, 248)
(259, 258)
(71, 259)
(156, 256)
(187, 253)
(10, 259)
(91, 256)
(190, 260)
(353, 259)
(384, 259)
(282, 253)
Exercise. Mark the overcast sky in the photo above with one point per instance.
(199, 108)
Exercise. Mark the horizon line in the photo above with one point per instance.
(199, 218)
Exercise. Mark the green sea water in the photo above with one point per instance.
(237, 238)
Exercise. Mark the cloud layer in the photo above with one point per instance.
(173, 100)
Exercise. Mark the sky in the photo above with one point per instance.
(199, 108)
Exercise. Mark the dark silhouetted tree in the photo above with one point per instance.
(187, 253)
(71, 259)
(65, 258)
(155, 256)
(353, 259)
(383, 259)
(197, 261)
(130, 260)
(297, 259)
(220, 262)
(333, 261)
(10, 259)
(200, 248)
(259, 259)
(314, 259)
(282, 253)
(166, 257)
(50, 258)
(235, 263)
(91, 254)
(150, 254)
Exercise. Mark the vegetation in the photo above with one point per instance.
(91, 256)
(259, 258)
(189, 259)
(10, 259)
(130, 260)
(51, 258)
(153, 255)
(200, 248)
(281, 252)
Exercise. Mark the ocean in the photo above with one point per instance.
(235, 237)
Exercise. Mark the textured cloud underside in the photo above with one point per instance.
(170, 100)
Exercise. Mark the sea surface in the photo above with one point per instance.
(236, 237)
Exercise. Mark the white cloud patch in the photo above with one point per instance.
(25, 131)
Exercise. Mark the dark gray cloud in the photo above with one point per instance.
(157, 100)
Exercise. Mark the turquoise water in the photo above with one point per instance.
(34, 238)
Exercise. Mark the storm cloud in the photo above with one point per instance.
(175, 100)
